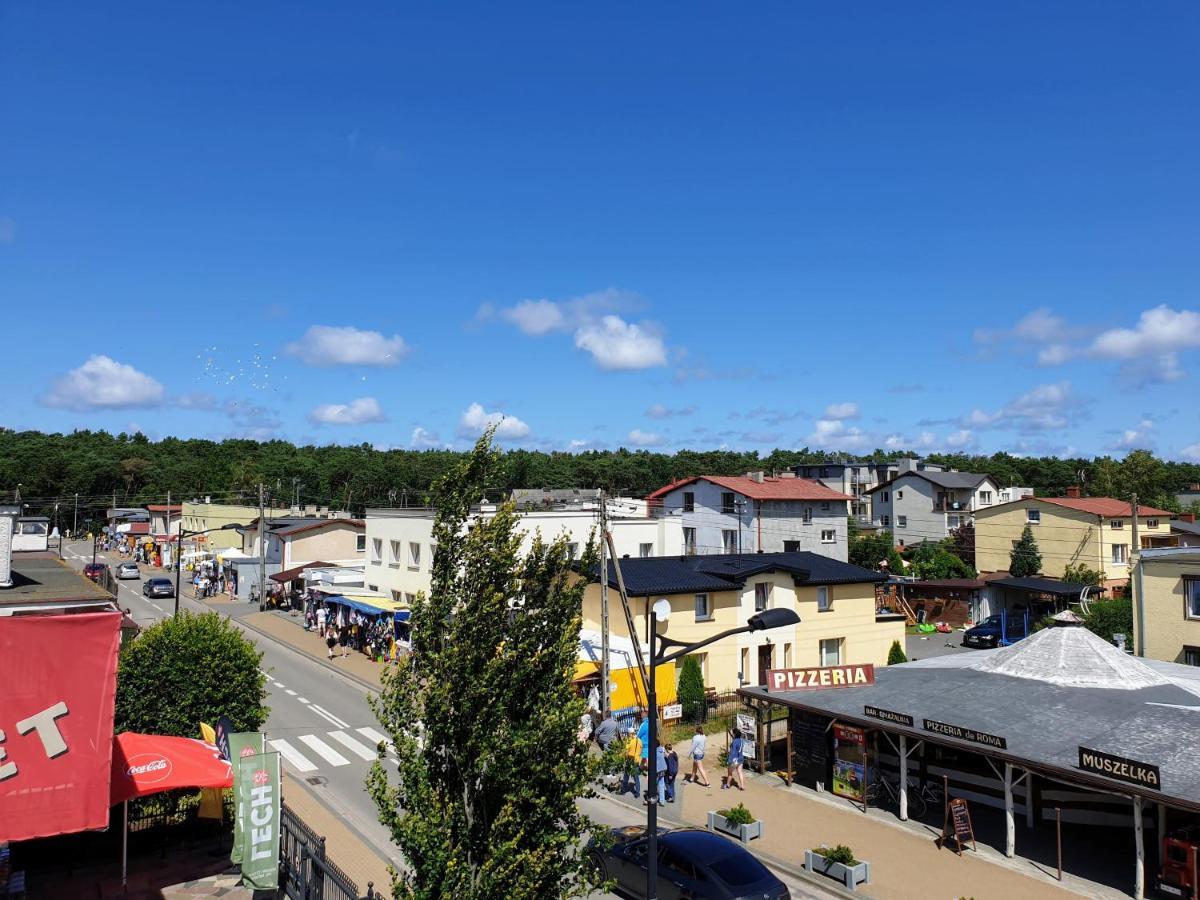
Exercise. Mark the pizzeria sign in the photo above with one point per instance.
(820, 677)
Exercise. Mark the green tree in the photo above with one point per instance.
(691, 690)
(483, 715)
(871, 550)
(1025, 560)
(183, 671)
(1079, 573)
(962, 543)
(896, 654)
(932, 560)
(1108, 617)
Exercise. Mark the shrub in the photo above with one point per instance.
(738, 815)
(839, 854)
(896, 654)
(1081, 574)
(691, 690)
(1108, 617)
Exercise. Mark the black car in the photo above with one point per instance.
(988, 632)
(692, 863)
(158, 587)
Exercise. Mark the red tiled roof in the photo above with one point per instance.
(767, 489)
(1102, 506)
(138, 528)
(162, 507)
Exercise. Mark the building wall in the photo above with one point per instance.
(1064, 536)
(781, 521)
(203, 516)
(338, 542)
(850, 618)
(1148, 527)
(1168, 628)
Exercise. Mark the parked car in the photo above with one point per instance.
(94, 570)
(128, 570)
(988, 632)
(158, 587)
(692, 863)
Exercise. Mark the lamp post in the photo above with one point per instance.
(183, 532)
(659, 645)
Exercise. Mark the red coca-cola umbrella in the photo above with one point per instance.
(144, 764)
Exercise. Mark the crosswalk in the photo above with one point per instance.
(321, 747)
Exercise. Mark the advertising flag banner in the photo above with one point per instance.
(259, 796)
(241, 746)
(144, 764)
(58, 681)
(211, 804)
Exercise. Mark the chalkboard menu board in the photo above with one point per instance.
(810, 746)
(957, 826)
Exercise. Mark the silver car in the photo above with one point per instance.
(128, 570)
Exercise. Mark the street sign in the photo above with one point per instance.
(672, 711)
(749, 750)
(1121, 768)
(745, 724)
(820, 677)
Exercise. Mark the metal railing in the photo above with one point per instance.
(305, 872)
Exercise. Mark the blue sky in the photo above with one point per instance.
(931, 226)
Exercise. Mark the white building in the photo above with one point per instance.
(756, 513)
(400, 542)
(927, 505)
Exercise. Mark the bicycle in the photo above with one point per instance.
(887, 790)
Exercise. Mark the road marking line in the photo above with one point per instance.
(324, 715)
(156, 606)
(294, 757)
(302, 699)
(277, 684)
(324, 751)
(336, 721)
(290, 692)
(352, 745)
(378, 738)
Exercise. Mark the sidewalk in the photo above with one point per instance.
(279, 627)
(906, 864)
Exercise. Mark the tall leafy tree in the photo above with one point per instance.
(1025, 559)
(483, 715)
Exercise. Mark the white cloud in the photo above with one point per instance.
(659, 411)
(639, 438)
(1044, 407)
(330, 345)
(1039, 327)
(1159, 330)
(1191, 451)
(536, 317)
(1054, 355)
(424, 440)
(104, 383)
(842, 411)
(1136, 438)
(619, 345)
(960, 440)
(475, 420)
(834, 433)
(362, 411)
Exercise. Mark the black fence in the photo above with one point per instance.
(305, 872)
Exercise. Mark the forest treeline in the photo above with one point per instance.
(52, 468)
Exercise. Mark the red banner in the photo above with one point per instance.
(145, 764)
(58, 682)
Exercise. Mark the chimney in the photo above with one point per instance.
(1073, 492)
(1187, 517)
(756, 477)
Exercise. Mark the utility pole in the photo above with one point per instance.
(262, 549)
(1139, 611)
(75, 521)
(605, 697)
(170, 549)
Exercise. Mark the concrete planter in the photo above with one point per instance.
(744, 833)
(850, 876)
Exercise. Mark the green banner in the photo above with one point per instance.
(259, 793)
(247, 743)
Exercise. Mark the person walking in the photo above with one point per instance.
(344, 640)
(322, 615)
(631, 777)
(699, 744)
(733, 774)
(330, 639)
(606, 731)
(660, 771)
(672, 769)
(643, 735)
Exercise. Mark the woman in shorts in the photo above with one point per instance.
(699, 742)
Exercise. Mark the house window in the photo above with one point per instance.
(762, 595)
(396, 596)
(953, 521)
(689, 502)
(689, 540)
(376, 550)
(886, 497)
(823, 598)
(825, 505)
(729, 540)
(727, 501)
(1117, 524)
(807, 518)
(787, 656)
(1033, 516)
(572, 550)
(1191, 656)
(1152, 523)
(985, 498)
(1191, 593)
(901, 521)
(645, 550)
(373, 587)
(899, 495)
(432, 550)
(744, 674)
(394, 559)
(410, 599)
(414, 555)
(828, 536)
(886, 521)
(791, 546)
(831, 651)
(703, 608)
(360, 543)
(1120, 554)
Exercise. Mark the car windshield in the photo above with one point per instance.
(739, 869)
(991, 620)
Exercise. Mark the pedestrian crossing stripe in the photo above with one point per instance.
(297, 759)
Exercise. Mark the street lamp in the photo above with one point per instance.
(183, 532)
(760, 621)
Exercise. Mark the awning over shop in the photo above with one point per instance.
(371, 605)
(297, 571)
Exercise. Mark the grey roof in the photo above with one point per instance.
(954, 481)
(729, 571)
(1153, 719)
(1041, 586)
(1187, 527)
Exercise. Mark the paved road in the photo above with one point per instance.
(322, 726)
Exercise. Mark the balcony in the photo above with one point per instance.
(955, 506)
